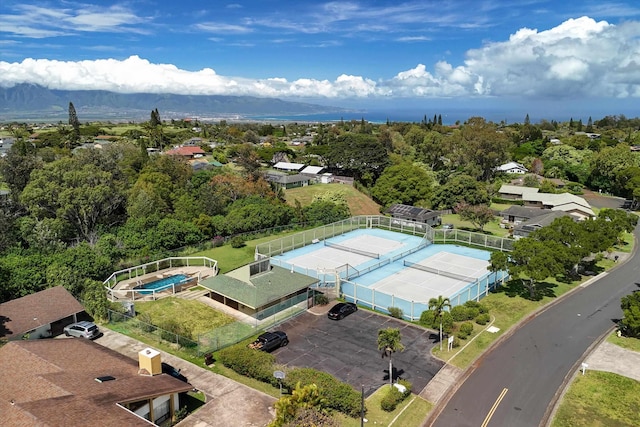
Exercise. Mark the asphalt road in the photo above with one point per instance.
(348, 349)
(514, 384)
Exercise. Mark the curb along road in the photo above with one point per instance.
(451, 392)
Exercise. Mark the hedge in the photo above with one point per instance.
(249, 362)
(336, 394)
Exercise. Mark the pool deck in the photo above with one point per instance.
(121, 290)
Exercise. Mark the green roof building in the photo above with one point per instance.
(253, 288)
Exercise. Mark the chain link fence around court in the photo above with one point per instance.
(412, 309)
(429, 234)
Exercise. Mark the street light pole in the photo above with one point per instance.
(441, 313)
(362, 408)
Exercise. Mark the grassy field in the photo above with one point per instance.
(600, 399)
(359, 204)
(491, 228)
(231, 258)
(196, 316)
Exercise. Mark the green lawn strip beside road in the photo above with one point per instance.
(411, 412)
(600, 399)
(508, 308)
(359, 203)
(507, 311)
(632, 344)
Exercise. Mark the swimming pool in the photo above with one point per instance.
(161, 284)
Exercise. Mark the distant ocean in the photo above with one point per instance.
(411, 116)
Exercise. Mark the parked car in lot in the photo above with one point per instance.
(447, 226)
(83, 329)
(270, 341)
(341, 310)
(175, 373)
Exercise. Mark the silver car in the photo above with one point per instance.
(83, 329)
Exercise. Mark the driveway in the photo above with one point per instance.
(228, 403)
(348, 349)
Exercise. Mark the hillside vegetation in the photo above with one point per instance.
(359, 203)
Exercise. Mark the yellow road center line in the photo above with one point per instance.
(494, 407)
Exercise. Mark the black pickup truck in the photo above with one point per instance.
(270, 341)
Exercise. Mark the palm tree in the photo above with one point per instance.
(438, 305)
(389, 341)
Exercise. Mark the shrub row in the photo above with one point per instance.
(260, 366)
(499, 200)
(249, 362)
(336, 394)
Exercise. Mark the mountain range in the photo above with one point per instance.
(34, 102)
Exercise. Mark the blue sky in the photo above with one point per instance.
(532, 55)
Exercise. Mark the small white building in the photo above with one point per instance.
(512, 167)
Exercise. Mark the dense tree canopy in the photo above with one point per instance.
(71, 208)
(403, 183)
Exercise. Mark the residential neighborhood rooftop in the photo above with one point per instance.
(52, 382)
(22, 315)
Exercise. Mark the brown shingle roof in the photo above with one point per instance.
(52, 382)
(186, 151)
(24, 314)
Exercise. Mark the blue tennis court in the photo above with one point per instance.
(382, 268)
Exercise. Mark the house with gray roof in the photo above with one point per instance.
(536, 223)
(516, 214)
(414, 213)
(283, 181)
(574, 205)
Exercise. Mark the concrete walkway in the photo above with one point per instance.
(228, 403)
(612, 358)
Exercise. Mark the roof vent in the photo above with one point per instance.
(105, 378)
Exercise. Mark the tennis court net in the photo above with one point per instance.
(352, 250)
(433, 270)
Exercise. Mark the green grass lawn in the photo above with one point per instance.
(194, 315)
(491, 228)
(411, 412)
(508, 307)
(230, 258)
(632, 344)
(600, 399)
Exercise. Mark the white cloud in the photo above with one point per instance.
(41, 22)
(580, 57)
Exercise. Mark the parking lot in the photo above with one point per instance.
(348, 349)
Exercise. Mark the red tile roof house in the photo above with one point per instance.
(189, 152)
(40, 315)
(74, 382)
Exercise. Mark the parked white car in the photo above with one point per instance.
(84, 329)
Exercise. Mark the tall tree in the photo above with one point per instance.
(74, 122)
(630, 323)
(404, 183)
(390, 341)
(479, 148)
(438, 305)
(479, 215)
